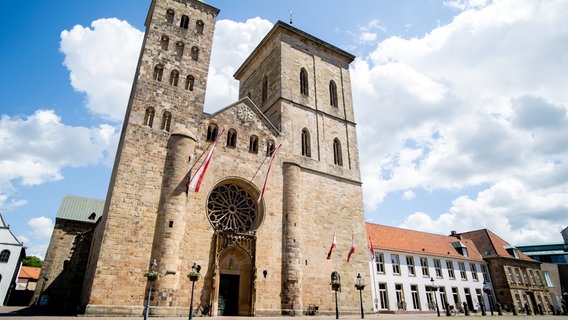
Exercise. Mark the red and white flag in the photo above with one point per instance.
(333, 245)
(266, 176)
(352, 250)
(371, 250)
(195, 182)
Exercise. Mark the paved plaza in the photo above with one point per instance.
(27, 313)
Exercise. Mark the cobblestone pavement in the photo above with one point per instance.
(30, 314)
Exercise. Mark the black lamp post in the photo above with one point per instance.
(434, 289)
(487, 290)
(336, 286)
(152, 276)
(193, 276)
(360, 286)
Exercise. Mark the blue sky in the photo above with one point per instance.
(461, 105)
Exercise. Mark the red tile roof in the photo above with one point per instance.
(29, 273)
(491, 245)
(404, 240)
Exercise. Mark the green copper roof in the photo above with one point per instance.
(80, 209)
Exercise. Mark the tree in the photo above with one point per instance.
(32, 261)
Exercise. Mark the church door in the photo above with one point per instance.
(229, 295)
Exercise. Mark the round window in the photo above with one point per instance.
(231, 207)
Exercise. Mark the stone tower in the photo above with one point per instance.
(257, 257)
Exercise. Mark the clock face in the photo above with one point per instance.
(244, 113)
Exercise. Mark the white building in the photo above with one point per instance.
(407, 264)
(12, 252)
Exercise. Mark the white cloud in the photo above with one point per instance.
(477, 102)
(232, 44)
(408, 195)
(35, 148)
(42, 227)
(102, 60)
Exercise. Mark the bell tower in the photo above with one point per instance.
(145, 201)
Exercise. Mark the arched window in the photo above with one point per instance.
(166, 121)
(164, 42)
(306, 149)
(303, 82)
(174, 78)
(149, 117)
(179, 49)
(269, 148)
(184, 23)
(195, 53)
(158, 72)
(337, 156)
(170, 16)
(212, 132)
(333, 94)
(189, 82)
(253, 145)
(264, 90)
(232, 138)
(199, 27)
(4, 255)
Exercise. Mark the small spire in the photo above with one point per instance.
(291, 17)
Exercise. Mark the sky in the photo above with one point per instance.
(461, 105)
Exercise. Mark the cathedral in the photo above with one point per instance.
(282, 181)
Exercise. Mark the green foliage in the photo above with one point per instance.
(32, 261)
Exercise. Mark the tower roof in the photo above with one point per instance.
(80, 209)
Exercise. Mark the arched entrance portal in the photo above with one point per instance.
(235, 217)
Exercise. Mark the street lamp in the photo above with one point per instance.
(152, 276)
(434, 288)
(487, 290)
(193, 276)
(336, 286)
(360, 286)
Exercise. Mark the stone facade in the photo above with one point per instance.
(256, 258)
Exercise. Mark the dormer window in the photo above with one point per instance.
(460, 248)
(513, 252)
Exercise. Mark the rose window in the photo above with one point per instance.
(231, 207)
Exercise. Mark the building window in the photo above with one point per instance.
(149, 117)
(395, 260)
(158, 72)
(337, 156)
(485, 273)
(333, 94)
(306, 149)
(473, 272)
(303, 82)
(4, 255)
(232, 138)
(383, 295)
(212, 132)
(269, 148)
(548, 279)
(424, 266)
(463, 274)
(539, 277)
(450, 267)
(518, 274)
(401, 304)
(165, 42)
(527, 282)
(195, 53)
(184, 23)
(264, 90)
(380, 262)
(456, 296)
(174, 78)
(166, 121)
(179, 49)
(199, 27)
(511, 276)
(415, 299)
(170, 16)
(438, 268)
(189, 82)
(410, 265)
(253, 145)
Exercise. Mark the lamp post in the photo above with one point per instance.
(360, 286)
(434, 288)
(152, 276)
(487, 290)
(193, 276)
(336, 286)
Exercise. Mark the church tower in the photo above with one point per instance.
(153, 157)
